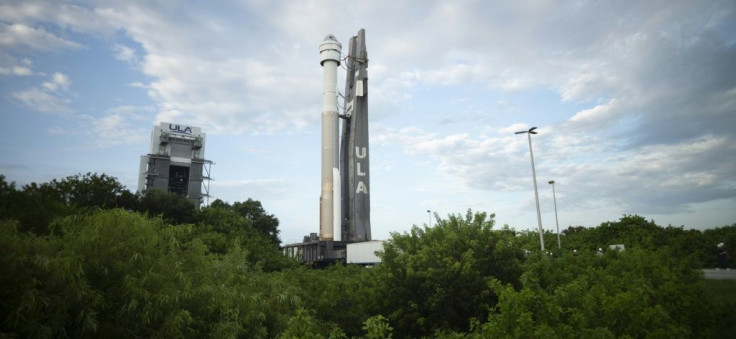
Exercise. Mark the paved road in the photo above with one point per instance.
(711, 273)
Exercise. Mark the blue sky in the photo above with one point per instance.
(635, 102)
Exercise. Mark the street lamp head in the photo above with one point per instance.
(530, 131)
(428, 211)
(551, 182)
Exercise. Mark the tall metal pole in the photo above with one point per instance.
(554, 198)
(429, 213)
(536, 193)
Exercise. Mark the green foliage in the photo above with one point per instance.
(89, 190)
(45, 293)
(710, 238)
(174, 208)
(116, 273)
(634, 293)
(221, 229)
(36, 206)
(377, 327)
(301, 325)
(74, 267)
(266, 224)
(341, 295)
(696, 248)
(435, 278)
(33, 207)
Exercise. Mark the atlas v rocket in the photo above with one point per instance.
(345, 197)
(329, 200)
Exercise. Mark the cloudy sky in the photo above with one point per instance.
(635, 102)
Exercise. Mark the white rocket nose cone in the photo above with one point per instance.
(329, 49)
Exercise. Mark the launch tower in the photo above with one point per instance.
(176, 163)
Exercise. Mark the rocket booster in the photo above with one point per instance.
(330, 205)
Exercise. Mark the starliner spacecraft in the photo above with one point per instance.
(345, 187)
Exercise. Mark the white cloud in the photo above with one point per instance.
(138, 84)
(112, 130)
(58, 82)
(75, 17)
(42, 101)
(113, 127)
(16, 70)
(117, 126)
(655, 179)
(599, 116)
(58, 130)
(514, 128)
(21, 36)
(644, 92)
(12, 66)
(125, 53)
(49, 97)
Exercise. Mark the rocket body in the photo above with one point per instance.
(329, 51)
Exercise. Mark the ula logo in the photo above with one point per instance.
(178, 129)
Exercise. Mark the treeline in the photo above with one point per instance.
(697, 248)
(83, 257)
(35, 206)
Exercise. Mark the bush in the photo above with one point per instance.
(634, 293)
(435, 278)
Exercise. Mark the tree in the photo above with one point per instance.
(220, 204)
(435, 278)
(343, 295)
(265, 223)
(223, 229)
(34, 207)
(636, 293)
(174, 208)
(89, 190)
(116, 273)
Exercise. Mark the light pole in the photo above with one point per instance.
(429, 214)
(554, 198)
(534, 176)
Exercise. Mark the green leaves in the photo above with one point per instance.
(117, 272)
(377, 327)
(175, 209)
(73, 267)
(435, 278)
(637, 293)
(253, 211)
